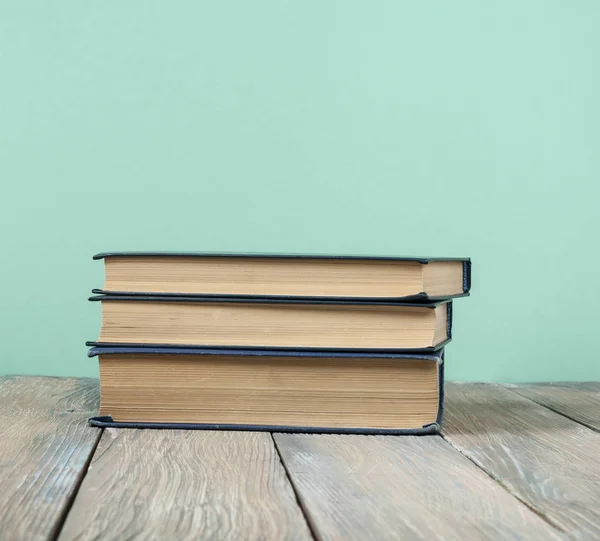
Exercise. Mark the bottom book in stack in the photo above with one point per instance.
(288, 391)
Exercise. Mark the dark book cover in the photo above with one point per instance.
(432, 428)
(421, 297)
(243, 300)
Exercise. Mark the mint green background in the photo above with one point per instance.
(387, 127)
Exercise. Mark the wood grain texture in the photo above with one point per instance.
(45, 443)
(185, 485)
(409, 488)
(545, 459)
(578, 401)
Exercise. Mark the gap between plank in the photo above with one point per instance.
(60, 522)
(311, 527)
(529, 506)
(551, 408)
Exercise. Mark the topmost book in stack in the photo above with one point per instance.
(258, 340)
(286, 276)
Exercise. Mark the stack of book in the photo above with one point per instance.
(275, 342)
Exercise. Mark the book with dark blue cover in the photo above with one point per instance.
(256, 323)
(266, 390)
(286, 276)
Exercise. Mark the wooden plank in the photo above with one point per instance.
(578, 401)
(45, 443)
(407, 487)
(175, 484)
(545, 459)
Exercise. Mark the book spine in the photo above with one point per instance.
(440, 415)
(466, 276)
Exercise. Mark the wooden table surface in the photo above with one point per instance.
(514, 462)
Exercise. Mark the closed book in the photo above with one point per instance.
(288, 391)
(273, 324)
(416, 279)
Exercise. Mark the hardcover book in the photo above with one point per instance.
(273, 324)
(286, 276)
(288, 391)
